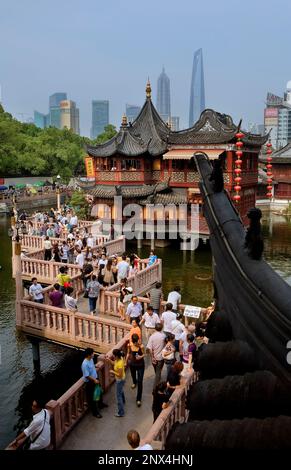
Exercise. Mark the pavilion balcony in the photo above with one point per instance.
(127, 176)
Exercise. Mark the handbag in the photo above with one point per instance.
(97, 392)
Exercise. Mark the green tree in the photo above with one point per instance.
(80, 204)
(109, 132)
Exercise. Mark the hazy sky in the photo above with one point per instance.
(106, 50)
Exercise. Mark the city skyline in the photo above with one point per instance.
(41, 55)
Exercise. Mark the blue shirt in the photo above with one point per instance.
(152, 260)
(89, 369)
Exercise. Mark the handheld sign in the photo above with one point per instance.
(191, 311)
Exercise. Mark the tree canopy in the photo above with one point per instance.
(27, 150)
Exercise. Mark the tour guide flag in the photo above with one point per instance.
(191, 311)
(89, 167)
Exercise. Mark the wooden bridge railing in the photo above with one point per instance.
(70, 328)
(47, 271)
(176, 411)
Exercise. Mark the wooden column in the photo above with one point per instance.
(18, 279)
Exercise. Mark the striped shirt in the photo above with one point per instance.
(155, 296)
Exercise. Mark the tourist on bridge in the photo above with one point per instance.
(119, 372)
(156, 296)
(152, 259)
(183, 343)
(70, 302)
(135, 359)
(122, 268)
(87, 272)
(167, 317)
(168, 352)
(80, 258)
(90, 378)
(107, 273)
(161, 398)
(90, 241)
(150, 319)
(63, 278)
(128, 297)
(174, 298)
(38, 432)
(35, 291)
(135, 330)
(47, 249)
(174, 377)
(93, 288)
(133, 438)
(134, 310)
(56, 253)
(155, 347)
(114, 269)
(51, 231)
(122, 293)
(177, 329)
(57, 296)
(64, 252)
(188, 355)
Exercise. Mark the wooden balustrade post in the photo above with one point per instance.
(56, 430)
(18, 281)
(102, 301)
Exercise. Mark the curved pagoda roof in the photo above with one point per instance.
(150, 134)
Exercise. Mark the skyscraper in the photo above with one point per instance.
(69, 116)
(100, 117)
(164, 96)
(197, 92)
(41, 120)
(54, 108)
(132, 111)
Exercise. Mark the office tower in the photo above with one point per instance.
(175, 122)
(41, 120)
(132, 111)
(164, 96)
(54, 108)
(100, 117)
(69, 116)
(197, 91)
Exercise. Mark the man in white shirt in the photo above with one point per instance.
(39, 430)
(122, 269)
(150, 319)
(155, 347)
(90, 241)
(177, 330)
(78, 242)
(167, 317)
(74, 221)
(80, 258)
(35, 291)
(174, 298)
(133, 438)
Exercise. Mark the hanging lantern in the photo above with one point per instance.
(269, 171)
(238, 162)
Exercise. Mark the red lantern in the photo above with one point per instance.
(238, 162)
(269, 165)
(269, 159)
(236, 197)
(239, 153)
(237, 188)
(239, 135)
(239, 144)
(237, 171)
(269, 188)
(269, 151)
(237, 179)
(269, 144)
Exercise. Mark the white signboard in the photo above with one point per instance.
(191, 311)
